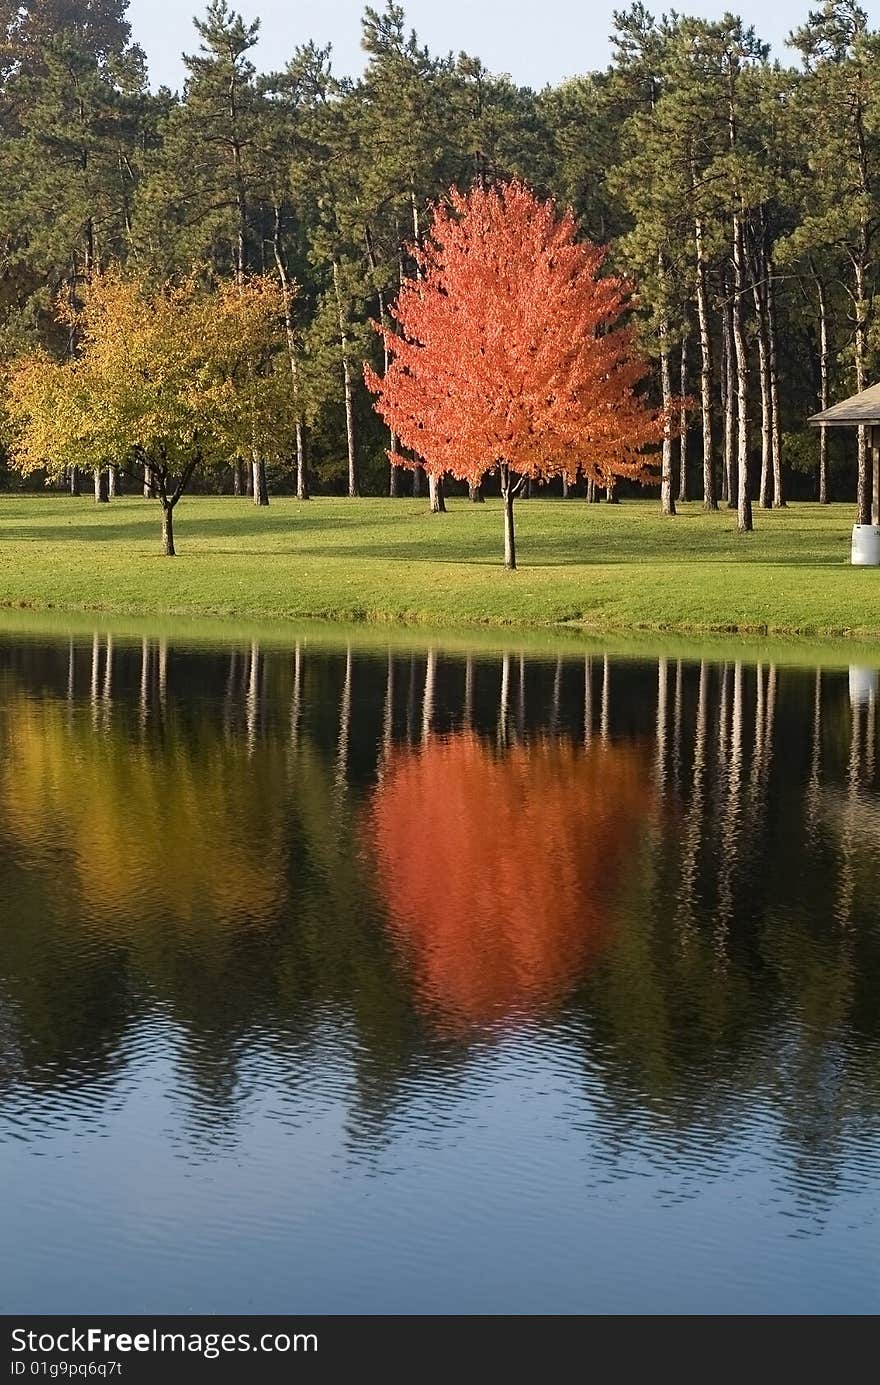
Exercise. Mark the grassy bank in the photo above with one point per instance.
(599, 568)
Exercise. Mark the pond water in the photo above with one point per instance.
(374, 981)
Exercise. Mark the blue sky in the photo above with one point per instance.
(536, 41)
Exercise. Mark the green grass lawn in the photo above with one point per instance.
(603, 568)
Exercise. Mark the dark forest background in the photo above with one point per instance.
(739, 194)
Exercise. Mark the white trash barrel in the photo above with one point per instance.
(863, 685)
(866, 545)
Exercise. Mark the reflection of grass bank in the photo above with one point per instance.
(609, 569)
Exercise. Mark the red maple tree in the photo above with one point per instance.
(511, 354)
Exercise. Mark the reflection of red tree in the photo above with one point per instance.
(497, 870)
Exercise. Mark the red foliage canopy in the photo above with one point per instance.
(511, 350)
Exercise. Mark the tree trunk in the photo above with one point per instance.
(418, 473)
(729, 482)
(823, 392)
(394, 470)
(168, 530)
(112, 482)
(565, 487)
(766, 404)
(611, 493)
(237, 479)
(475, 493)
(744, 505)
(101, 491)
(683, 423)
(864, 481)
(354, 487)
(710, 499)
(259, 487)
(509, 534)
(302, 474)
(775, 433)
(249, 479)
(435, 491)
(667, 499)
(74, 480)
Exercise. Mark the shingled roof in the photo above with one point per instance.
(861, 408)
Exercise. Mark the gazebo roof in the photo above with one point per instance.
(861, 408)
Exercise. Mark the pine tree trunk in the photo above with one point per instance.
(167, 530)
(509, 533)
(710, 498)
(863, 499)
(302, 474)
(823, 391)
(766, 404)
(775, 423)
(101, 493)
(259, 487)
(354, 486)
(683, 423)
(667, 499)
(74, 481)
(435, 492)
(744, 505)
(729, 409)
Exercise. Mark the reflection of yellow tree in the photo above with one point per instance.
(498, 870)
(189, 828)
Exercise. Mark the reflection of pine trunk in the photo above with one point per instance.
(730, 822)
(605, 712)
(428, 696)
(694, 826)
(145, 680)
(557, 695)
(504, 702)
(469, 692)
(662, 677)
(163, 671)
(588, 699)
(296, 697)
(108, 670)
(71, 669)
(252, 698)
(344, 724)
(812, 795)
(676, 722)
(388, 715)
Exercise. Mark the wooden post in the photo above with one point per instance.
(875, 467)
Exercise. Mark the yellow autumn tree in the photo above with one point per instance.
(169, 380)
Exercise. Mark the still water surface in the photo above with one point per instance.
(345, 981)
